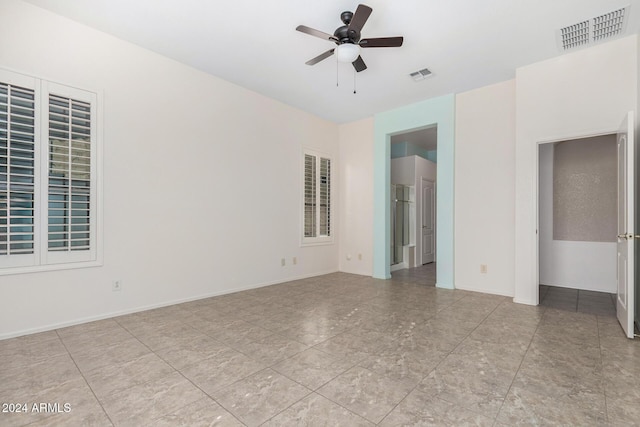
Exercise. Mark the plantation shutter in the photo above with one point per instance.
(48, 175)
(317, 198)
(325, 197)
(309, 195)
(17, 170)
(69, 192)
(68, 200)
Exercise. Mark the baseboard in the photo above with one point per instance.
(482, 290)
(523, 301)
(139, 309)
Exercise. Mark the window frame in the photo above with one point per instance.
(317, 239)
(42, 259)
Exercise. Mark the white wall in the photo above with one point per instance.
(584, 93)
(356, 197)
(570, 264)
(202, 179)
(484, 188)
(403, 170)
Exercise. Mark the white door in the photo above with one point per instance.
(428, 221)
(625, 298)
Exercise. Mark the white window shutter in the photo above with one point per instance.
(325, 197)
(309, 195)
(316, 199)
(48, 175)
(18, 166)
(69, 174)
(69, 208)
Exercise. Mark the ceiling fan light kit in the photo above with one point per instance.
(347, 52)
(347, 39)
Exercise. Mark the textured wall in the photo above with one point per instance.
(584, 189)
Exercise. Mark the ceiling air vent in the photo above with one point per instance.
(575, 35)
(420, 75)
(608, 25)
(593, 30)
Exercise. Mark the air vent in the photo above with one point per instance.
(608, 25)
(420, 75)
(593, 30)
(575, 35)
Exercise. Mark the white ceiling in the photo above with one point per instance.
(253, 43)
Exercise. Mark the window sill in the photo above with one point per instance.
(317, 242)
(7, 271)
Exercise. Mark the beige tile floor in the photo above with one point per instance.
(335, 350)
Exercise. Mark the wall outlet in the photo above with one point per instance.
(116, 286)
(283, 262)
(295, 260)
(483, 268)
(359, 257)
(348, 257)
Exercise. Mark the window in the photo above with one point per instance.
(48, 171)
(317, 198)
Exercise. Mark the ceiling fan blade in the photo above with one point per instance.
(359, 64)
(360, 18)
(320, 57)
(382, 42)
(316, 33)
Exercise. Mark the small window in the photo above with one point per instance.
(317, 198)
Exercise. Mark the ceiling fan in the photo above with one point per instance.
(347, 39)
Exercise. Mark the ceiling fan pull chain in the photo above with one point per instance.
(337, 73)
(354, 81)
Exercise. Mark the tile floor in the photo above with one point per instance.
(335, 350)
(599, 303)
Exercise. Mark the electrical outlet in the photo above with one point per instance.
(348, 257)
(283, 262)
(295, 260)
(483, 268)
(116, 286)
(359, 257)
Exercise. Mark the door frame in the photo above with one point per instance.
(435, 219)
(435, 111)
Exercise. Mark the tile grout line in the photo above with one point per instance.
(603, 380)
(181, 374)
(443, 359)
(85, 378)
(519, 367)
(316, 391)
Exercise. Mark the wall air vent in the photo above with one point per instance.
(593, 30)
(420, 75)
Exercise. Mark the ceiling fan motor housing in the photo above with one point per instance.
(345, 35)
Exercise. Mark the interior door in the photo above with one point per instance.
(625, 245)
(428, 221)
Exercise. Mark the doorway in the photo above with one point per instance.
(438, 111)
(413, 176)
(577, 203)
(620, 233)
